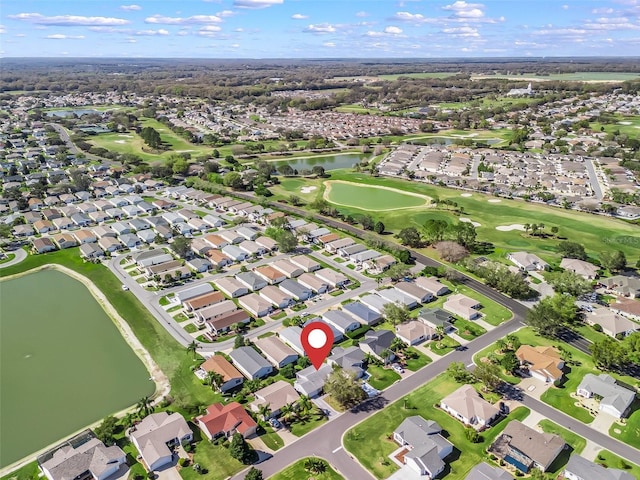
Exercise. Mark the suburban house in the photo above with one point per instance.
(310, 381)
(191, 292)
(309, 280)
(527, 261)
(579, 468)
(291, 336)
(252, 248)
(231, 377)
(231, 287)
(414, 332)
(276, 296)
(305, 263)
(350, 359)
(378, 342)
(376, 266)
(374, 302)
(270, 274)
(341, 321)
(217, 258)
(526, 448)
(612, 324)
(462, 306)
(414, 291)
(199, 265)
(226, 420)
(216, 241)
(333, 278)
(544, 363)
(277, 352)
(90, 251)
(336, 245)
(295, 289)
(234, 253)
(65, 240)
(255, 305)
(109, 244)
(43, 245)
(435, 317)
(623, 286)
(287, 268)
(247, 233)
(484, 471)
(469, 407)
(91, 459)
(250, 363)
(627, 307)
(230, 236)
(346, 252)
(337, 334)
(276, 395)
(156, 434)
(614, 399)
(225, 321)
(586, 270)
(392, 295)
(214, 311)
(270, 244)
(362, 313)
(85, 236)
(426, 448)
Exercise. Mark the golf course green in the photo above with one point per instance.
(372, 198)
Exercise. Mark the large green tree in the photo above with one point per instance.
(613, 260)
(410, 236)
(395, 313)
(241, 450)
(569, 282)
(344, 388)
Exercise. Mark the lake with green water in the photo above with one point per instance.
(63, 363)
(328, 162)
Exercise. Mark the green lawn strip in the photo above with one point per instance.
(271, 439)
(381, 377)
(300, 428)
(370, 441)
(296, 471)
(190, 328)
(215, 458)
(611, 460)
(589, 333)
(444, 346)
(26, 472)
(420, 360)
(493, 313)
(468, 330)
(174, 308)
(9, 257)
(630, 432)
(477, 358)
(576, 441)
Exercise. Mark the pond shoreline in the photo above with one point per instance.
(161, 381)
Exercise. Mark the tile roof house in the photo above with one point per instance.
(309, 280)
(526, 448)
(92, 458)
(255, 305)
(612, 324)
(276, 395)
(629, 308)
(586, 270)
(469, 407)
(615, 399)
(231, 287)
(231, 377)
(202, 301)
(544, 363)
(484, 471)
(432, 285)
(250, 363)
(350, 359)
(156, 433)
(362, 313)
(414, 332)
(427, 449)
(276, 351)
(377, 342)
(462, 306)
(310, 381)
(270, 274)
(252, 281)
(414, 291)
(527, 261)
(579, 468)
(436, 317)
(623, 286)
(340, 320)
(226, 420)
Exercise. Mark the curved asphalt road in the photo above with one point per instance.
(20, 255)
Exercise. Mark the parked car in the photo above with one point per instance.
(275, 423)
(124, 287)
(397, 368)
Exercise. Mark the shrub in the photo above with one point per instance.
(597, 327)
(183, 462)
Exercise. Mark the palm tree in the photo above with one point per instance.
(398, 345)
(214, 379)
(386, 355)
(145, 405)
(315, 466)
(527, 227)
(287, 412)
(192, 347)
(304, 405)
(501, 343)
(264, 411)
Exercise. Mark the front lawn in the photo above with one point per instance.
(576, 441)
(381, 377)
(415, 360)
(629, 433)
(444, 346)
(611, 460)
(270, 438)
(27, 472)
(468, 330)
(215, 458)
(296, 471)
(302, 427)
(370, 441)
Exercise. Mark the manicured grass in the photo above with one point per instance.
(174, 308)
(444, 346)
(576, 441)
(27, 472)
(271, 439)
(215, 458)
(190, 328)
(630, 433)
(415, 364)
(301, 428)
(468, 330)
(9, 257)
(371, 198)
(296, 471)
(493, 349)
(370, 441)
(611, 460)
(381, 377)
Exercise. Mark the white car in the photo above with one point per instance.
(124, 287)
(398, 368)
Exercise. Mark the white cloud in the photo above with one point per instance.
(411, 17)
(239, 29)
(602, 11)
(193, 20)
(209, 31)
(256, 3)
(20, 35)
(462, 9)
(60, 36)
(235, 45)
(225, 13)
(362, 14)
(151, 33)
(299, 16)
(2, 29)
(461, 31)
(68, 20)
(393, 30)
(130, 8)
(321, 28)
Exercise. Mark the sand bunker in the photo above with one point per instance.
(125, 135)
(308, 189)
(468, 220)
(624, 123)
(495, 200)
(119, 141)
(465, 194)
(508, 228)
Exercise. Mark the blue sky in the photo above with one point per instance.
(319, 28)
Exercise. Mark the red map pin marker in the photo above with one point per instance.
(317, 340)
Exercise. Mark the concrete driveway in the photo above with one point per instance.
(168, 473)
